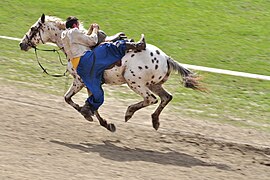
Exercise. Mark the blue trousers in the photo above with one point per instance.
(92, 66)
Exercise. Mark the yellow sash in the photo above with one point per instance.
(75, 62)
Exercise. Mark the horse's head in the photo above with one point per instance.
(42, 31)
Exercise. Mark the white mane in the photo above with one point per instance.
(53, 19)
(60, 23)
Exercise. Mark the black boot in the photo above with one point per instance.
(140, 45)
(87, 112)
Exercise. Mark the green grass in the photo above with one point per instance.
(223, 34)
(230, 35)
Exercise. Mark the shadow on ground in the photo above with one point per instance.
(113, 152)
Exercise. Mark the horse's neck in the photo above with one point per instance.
(58, 41)
(55, 35)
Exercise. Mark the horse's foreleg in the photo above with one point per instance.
(75, 87)
(111, 127)
(165, 99)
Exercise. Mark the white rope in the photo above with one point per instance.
(18, 39)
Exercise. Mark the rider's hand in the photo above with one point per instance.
(95, 26)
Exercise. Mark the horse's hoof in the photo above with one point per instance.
(111, 127)
(127, 118)
(156, 125)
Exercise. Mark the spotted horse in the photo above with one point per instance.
(143, 71)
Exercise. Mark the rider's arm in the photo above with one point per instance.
(79, 37)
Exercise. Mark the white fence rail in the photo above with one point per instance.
(200, 68)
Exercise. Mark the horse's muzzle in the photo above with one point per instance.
(24, 47)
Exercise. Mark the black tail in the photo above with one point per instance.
(190, 79)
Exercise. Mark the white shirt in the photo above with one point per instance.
(76, 42)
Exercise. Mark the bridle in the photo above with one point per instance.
(34, 31)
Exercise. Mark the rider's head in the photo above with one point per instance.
(72, 22)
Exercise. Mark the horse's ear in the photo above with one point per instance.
(42, 18)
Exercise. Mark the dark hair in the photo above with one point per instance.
(70, 21)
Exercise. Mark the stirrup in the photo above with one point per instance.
(118, 36)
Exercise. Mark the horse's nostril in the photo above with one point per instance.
(23, 46)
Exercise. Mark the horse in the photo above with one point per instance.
(143, 71)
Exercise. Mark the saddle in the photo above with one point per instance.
(102, 37)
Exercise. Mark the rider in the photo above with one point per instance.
(91, 64)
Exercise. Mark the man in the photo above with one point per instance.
(91, 64)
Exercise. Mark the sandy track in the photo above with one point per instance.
(43, 138)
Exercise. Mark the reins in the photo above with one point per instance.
(45, 70)
(48, 50)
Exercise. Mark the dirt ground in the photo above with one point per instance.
(43, 138)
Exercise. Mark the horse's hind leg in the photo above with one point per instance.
(149, 98)
(165, 99)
